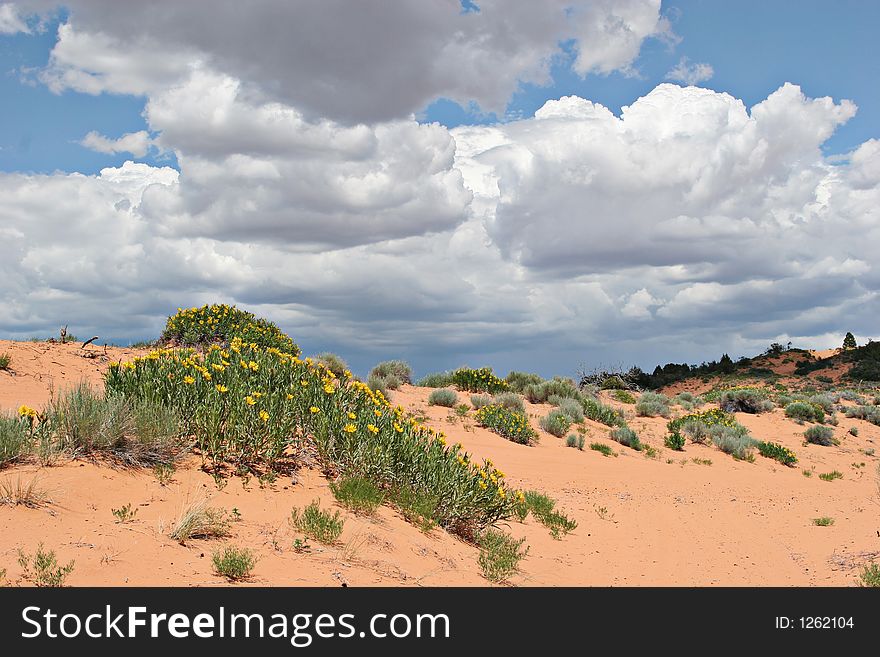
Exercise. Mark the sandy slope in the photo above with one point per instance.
(641, 521)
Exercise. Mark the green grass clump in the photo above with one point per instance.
(853, 431)
(626, 436)
(42, 568)
(481, 380)
(652, 404)
(542, 507)
(509, 424)
(623, 396)
(573, 440)
(831, 476)
(820, 435)
(518, 381)
(556, 423)
(318, 524)
(358, 494)
(443, 397)
(198, 520)
(219, 324)
(5, 361)
(435, 380)
(418, 507)
(500, 555)
(777, 452)
(603, 449)
(511, 401)
(805, 412)
(234, 563)
(16, 434)
(398, 370)
(824, 521)
(870, 576)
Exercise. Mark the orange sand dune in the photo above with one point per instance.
(662, 521)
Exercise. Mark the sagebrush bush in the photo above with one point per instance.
(804, 411)
(575, 440)
(318, 524)
(443, 397)
(556, 422)
(539, 393)
(820, 435)
(357, 494)
(478, 401)
(745, 400)
(506, 423)
(733, 440)
(696, 431)
(234, 563)
(435, 380)
(573, 409)
(870, 413)
(397, 369)
(684, 396)
(481, 380)
(626, 436)
(511, 401)
(378, 385)
(219, 324)
(825, 402)
(652, 404)
(599, 412)
(334, 363)
(518, 381)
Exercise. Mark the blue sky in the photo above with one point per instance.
(307, 194)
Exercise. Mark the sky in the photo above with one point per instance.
(549, 186)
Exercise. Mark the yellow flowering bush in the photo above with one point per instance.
(481, 380)
(506, 423)
(219, 324)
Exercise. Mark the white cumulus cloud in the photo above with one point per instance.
(137, 143)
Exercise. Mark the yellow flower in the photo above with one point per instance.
(26, 411)
(207, 375)
(250, 401)
(314, 409)
(377, 413)
(221, 388)
(398, 428)
(128, 366)
(351, 416)
(349, 428)
(289, 396)
(264, 416)
(257, 395)
(254, 366)
(372, 428)
(329, 389)
(217, 368)
(188, 380)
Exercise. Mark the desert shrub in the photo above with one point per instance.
(234, 563)
(698, 424)
(573, 409)
(777, 452)
(558, 523)
(745, 400)
(5, 361)
(854, 431)
(538, 504)
(398, 370)
(555, 422)
(518, 381)
(219, 324)
(603, 449)
(613, 382)
(623, 396)
(198, 520)
(42, 568)
(539, 393)
(696, 431)
(674, 441)
(506, 423)
(500, 555)
(443, 397)
(478, 401)
(20, 493)
(481, 380)
(435, 380)
(379, 385)
(853, 396)
(825, 402)
(543, 508)
(418, 506)
(684, 396)
(599, 412)
(804, 411)
(652, 404)
(573, 440)
(626, 436)
(868, 413)
(511, 401)
(332, 362)
(831, 476)
(870, 576)
(357, 494)
(824, 521)
(820, 435)
(733, 440)
(318, 524)
(15, 435)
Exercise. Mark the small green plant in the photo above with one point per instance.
(234, 563)
(870, 576)
(462, 410)
(831, 476)
(626, 436)
(777, 452)
(5, 360)
(650, 452)
(124, 514)
(556, 423)
(42, 568)
(605, 450)
(417, 507)
(559, 524)
(301, 545)
(574, 440)
(318, 524)
(700, 461)
(198, 520)
(820, 435)
(805, 411)
(674, 441)
(358, 494)
(824, 521)
(506, 423)
(443, 397)
(538, 503)
(542, 507)
(500, 555)
(481, 380)
(853, 431)
(807, 473)
(623, 396)
(164, 473)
